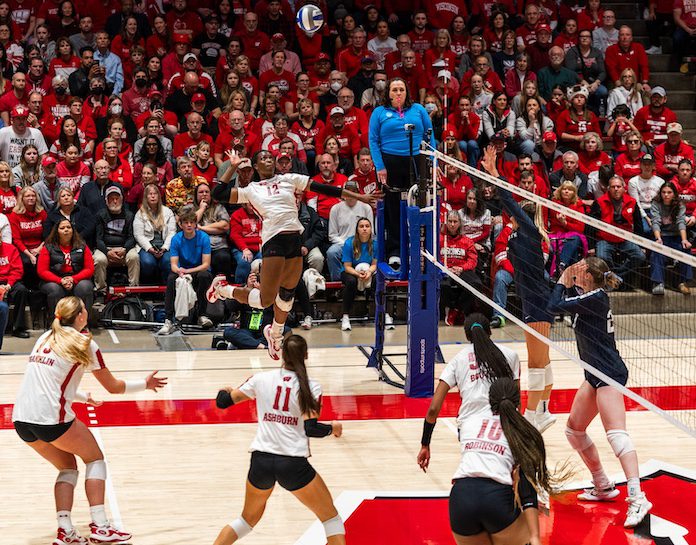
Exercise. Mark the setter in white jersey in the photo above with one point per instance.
(43, 416)
(482, 504)
(288, 405)
(273, 199)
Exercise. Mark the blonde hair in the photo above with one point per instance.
(64, 340)
(634, 90)
(535, 212)
(156, 218)
(590, 135)
(566, 185)
(20, 208)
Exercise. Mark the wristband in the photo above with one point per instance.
(81, 396)
(427, 433)
(224, 399)
(133, 386)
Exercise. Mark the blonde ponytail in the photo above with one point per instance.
(64, 340)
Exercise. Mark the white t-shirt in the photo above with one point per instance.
(462, 371)
(49, 385)
(274, 201)
(11, 144)
(644, 191)
(281, 422)
(484, 449)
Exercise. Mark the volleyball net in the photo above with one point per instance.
(655, 330)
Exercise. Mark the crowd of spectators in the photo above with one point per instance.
(116, 119)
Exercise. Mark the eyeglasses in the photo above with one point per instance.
(633, 141)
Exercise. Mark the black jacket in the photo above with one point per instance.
(115, 230)
(315, 233)
(82, 219)
(92, 195)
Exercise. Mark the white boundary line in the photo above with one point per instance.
(114, 338)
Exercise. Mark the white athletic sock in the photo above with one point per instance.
(633, 486)
(277, 330)
(64, 520)
(99, 515)
(543, 407)
(600, 479)
(530, 416)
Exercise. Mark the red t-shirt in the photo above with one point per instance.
(441, 12)
(324, 202)
(688, 13)
(285, 81)
(348, 141)
(421, 42)
(8, 199)
(183, 141)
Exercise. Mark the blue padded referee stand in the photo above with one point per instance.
(423, 303)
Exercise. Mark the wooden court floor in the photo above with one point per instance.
(177, 466)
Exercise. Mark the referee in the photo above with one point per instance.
(390, 126)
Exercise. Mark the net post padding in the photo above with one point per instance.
(558, 207)
(558, 348)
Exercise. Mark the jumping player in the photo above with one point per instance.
(526, 252)
(43, 416)
(273, 199)
(581, 292)
(288, 404)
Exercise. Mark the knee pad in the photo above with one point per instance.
(548, 375)
(241, 527)
(96, 470)
(579, 440)
(536, 379)
(334, 526)
(255, 299)
(620, 442)
(285, 299)
(68, 476)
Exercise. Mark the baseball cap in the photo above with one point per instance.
(278, 37)
(674, 127)
(550, 136)
(658, 90)
(48, 160)
(154, 93)
(337, 110)
(181, 38)
(647, 158)
(211, 17)
(244, 163)
(20, 110)
(449, 133)
(445, 74)
(111, 190)
(190, 56)
(284, 156)
(323, 57)
(198, 97)
(368, 57)
(543, 26)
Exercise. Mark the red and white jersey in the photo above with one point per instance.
(484, 449)
(281, 422)
(274, 201)
(49, 385)
(463, 371)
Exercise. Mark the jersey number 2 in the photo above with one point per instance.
(272, 189)
(494, 432)
(286, 401)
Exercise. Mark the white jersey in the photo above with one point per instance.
(484, 449)
(274, 201)
(49, 385)
(281, 422)
(463, 372)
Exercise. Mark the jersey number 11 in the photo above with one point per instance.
(286, 401)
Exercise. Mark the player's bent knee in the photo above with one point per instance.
(334, 526)
(579, 440)
(620, 442)
(536, 379)
(68, 476)
(96, 470)
(241, 527)
(284, 305)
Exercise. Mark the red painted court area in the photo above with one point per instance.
(340, 407)
(418, 521)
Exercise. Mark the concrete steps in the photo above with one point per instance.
(673, 81)
(681, 100)
(625, 10)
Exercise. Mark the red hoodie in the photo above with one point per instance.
(11, 268)
(245, 230)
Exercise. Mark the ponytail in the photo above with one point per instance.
(294, 355)
(491, 361)
(64, 340)
(526, 443)
(601, 275)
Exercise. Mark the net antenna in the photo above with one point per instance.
(659, 348)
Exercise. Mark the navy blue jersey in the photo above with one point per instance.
(594, 328)
(527, 258)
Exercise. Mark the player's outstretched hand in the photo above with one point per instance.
(337, 428)
(152, 382)
(488, 162)
(423, 458)
(371, 198)
(234, 157)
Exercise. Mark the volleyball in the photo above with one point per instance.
(310, 18)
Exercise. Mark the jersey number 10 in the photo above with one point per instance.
(286, 401)
(495, 431)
